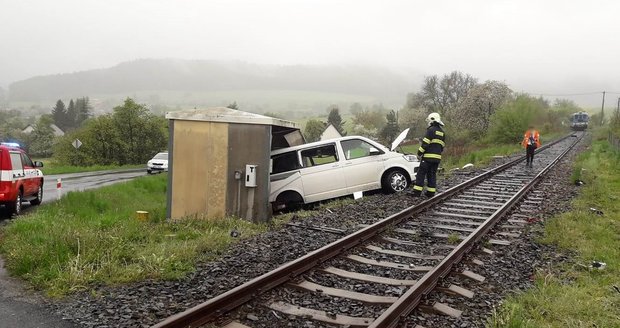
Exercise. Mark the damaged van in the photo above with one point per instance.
(337, 167)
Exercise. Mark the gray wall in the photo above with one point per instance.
(248, 144)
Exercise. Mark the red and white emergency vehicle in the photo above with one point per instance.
(20, 178)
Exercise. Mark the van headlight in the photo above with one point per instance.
(411, 158)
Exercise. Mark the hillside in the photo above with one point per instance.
(166, 79)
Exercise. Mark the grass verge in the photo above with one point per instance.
(93, 237)
(576, 295)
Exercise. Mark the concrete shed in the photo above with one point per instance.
(219, 162)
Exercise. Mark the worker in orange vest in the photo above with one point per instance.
(531, 141)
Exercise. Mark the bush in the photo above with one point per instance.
(509, 123)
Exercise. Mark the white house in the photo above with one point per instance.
(330, 133)
(57, 131)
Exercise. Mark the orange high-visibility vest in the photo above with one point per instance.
(534, 135)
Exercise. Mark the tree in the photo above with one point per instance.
(82, 110)
(443, 94)
(509, 122)
(335, 119)
(480, 103)
(42, 137)
(59, 115)
(11, 125)
(128, 118)
(390, 130)
(414, 119)
(72, 115)
(233, 105)
(130, 135)
(355, 108)
(313, 130)
(370, 119)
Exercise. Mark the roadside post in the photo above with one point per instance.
(59, 188)
(142, 216)
(76, 144)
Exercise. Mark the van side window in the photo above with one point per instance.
(356, 148)
(27, 161)
(319, 155)
(285, 162)
(16, 161)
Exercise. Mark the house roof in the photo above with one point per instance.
(228, 115)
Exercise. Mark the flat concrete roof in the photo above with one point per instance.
(228, 115)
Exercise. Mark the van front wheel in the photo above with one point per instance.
(395, 181)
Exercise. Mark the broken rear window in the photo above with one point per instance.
(285, 162)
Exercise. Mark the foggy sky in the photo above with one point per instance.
(535, 46)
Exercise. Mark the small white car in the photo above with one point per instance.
(159, 163)
(333, 168)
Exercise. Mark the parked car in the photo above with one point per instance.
(159, 163)
(20, 178)
(333, 168)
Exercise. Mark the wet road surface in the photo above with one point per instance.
(84, 181)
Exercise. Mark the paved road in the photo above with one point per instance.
(84, 181)
(22, 308)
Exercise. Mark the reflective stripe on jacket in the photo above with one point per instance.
(432, 144)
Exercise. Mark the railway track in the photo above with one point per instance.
(393, 265)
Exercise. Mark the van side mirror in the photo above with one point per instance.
(38, 164)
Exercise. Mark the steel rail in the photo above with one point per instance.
(215, 307)
(410, 300)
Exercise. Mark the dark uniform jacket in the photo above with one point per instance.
(433, 143)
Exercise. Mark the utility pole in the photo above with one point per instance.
(603, 109)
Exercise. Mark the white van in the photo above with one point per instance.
(333, 168)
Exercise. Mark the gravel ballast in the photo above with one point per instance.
(145, 303)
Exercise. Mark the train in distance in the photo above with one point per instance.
(579, 121)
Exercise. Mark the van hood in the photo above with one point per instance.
(399, 139)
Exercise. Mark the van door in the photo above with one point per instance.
(31, 183)
(321, 174)
(363, 165)
(17, 170)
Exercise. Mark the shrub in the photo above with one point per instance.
(508, 123)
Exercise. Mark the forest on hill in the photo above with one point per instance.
(203, 76)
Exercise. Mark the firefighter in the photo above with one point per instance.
(430, 155)
(531, 141)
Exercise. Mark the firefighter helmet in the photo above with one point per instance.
(434, 117)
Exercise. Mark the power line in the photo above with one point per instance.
(568, 94)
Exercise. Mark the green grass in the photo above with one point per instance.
(93, 237)
(51, 167)
(576, 295)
